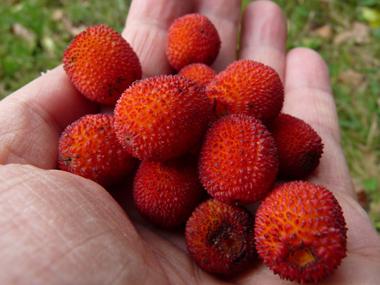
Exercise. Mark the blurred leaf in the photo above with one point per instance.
(377, 225)
(375, 84)
(48, 44)
(25, 36)
(121, 5)
(17, 8)
(301, 11)
(351, 77)
(324, 32)
(368, 2)
(377, 33)
(358, 33)
(371, 184)
(372, 16)
(313, 43)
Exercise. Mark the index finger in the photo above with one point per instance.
(146, 29)
(309, 97)
(264, 35)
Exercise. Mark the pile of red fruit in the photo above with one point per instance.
(208, 144)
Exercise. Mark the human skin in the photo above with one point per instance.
(56, 227)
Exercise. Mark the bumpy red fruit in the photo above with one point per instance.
(238, 162)
(300, 231)
(101, 64)
(89, 148)
(199, 73)
(192, 38)
(247, 87)
(166, 193)
(299, 146)
(220, 237)
(162, 117)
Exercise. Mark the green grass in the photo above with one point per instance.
(49, 26)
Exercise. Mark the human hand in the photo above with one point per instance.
(60, 228)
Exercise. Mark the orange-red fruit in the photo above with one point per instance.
(238, 162)
(300, 231)
(220, 237)
(299, 146)
(89, 148)
(248, 87)
(101, 64)
(166, 193)
(199, 73)
(192, 38)
(162, 117)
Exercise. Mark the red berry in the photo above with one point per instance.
(192, 39)
(89, 148)
(101, 64)
(300, 231)
(162, 117)
(166, 193)
(299, 146)
(199, 73)
(238, 161)
(220, 237)
(248, 87)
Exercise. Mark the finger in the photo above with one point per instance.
(146, 29)
(308, 96)
(225, 15)
(33, 118)
(264, 34)
(72, 227)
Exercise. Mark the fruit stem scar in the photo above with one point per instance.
(232, 244)
(301, 257)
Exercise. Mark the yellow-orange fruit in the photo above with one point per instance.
(162, 117)
(192, 38)
(247, 87)
(238, 162)
(101, 64)
(300, 231)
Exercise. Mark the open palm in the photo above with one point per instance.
(56, 227)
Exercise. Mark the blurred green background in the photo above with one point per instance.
(34, 34)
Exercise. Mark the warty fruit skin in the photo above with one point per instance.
(300, 231)
(247, 87)
(220, 237)
(299, 146)
(192, 38)
(166, 193)
(238, 162)
(199, 73)
(101, 64)
(89, 147)
(162, 117)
